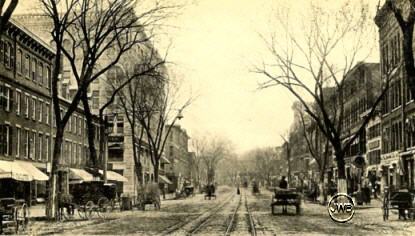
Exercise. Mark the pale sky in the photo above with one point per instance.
(214, 47)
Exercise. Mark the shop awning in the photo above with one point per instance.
(114, 176)
(164, 179)
(79, 174)
(35, 172)
(12, 170)
(164, 160)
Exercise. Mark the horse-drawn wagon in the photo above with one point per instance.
(88, 198)
(403, 201)
(284, 198)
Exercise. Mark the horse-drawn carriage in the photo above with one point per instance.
(284, 198)
(210, 191)
(87, 199)
(255, 188)
(404, 202)
(14, 215)
(149, 195)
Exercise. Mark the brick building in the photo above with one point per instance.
(26, 120)
(398, 113)
(362, 87)
(177, 154)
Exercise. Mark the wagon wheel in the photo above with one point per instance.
(385, 209)
(104, 207)
(89, 209)
(15, 217)
(81, 211)
(68, 212)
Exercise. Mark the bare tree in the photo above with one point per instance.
(155, 111)
(196, 160)
(308, 66)
(135, 93)
(215, 150)
(92, 36)
(318, 148)
(6, 12)
(404, 13)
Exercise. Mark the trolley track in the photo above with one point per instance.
(194, 225)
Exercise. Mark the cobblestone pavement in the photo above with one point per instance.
(313, 221)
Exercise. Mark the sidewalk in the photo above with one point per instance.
(38, 211)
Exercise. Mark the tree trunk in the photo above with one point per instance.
(53, 183)
(91, 130)
(341, 170)
(156, 170)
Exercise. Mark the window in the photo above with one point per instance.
(26, 67)
(47, 112)
(6, 54)
(47, 148)
(95, 99)
(27, 105)
(18, 102)
(40, 141)
(26, 142)
(33, 71)
(33, 108)
(19, 60)
(40, 110)
(40, 73)
(11, 64)
(32, 145)
(18, 140)
(5, 139)
(6, 98)
(47, 77)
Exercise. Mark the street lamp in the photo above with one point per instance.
(108, 131)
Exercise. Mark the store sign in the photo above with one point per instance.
(116, 139)
(374, 144)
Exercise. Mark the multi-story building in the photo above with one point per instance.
(361, 88)
(26, 117)
(398, 111)
(177, 154)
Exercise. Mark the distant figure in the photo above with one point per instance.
(283, 183)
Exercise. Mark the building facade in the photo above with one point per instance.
(398, 130)
(177, 154)
(27, 126)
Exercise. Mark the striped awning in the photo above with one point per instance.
(114, 176)
(80, 175)
(35, 172)
(164, 179)
(12, 170)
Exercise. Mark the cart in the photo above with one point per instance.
(210, 192)
(284, 198)
(14, 215)
(255, 188)
(149, 195)
(404, 202)
(88, 199)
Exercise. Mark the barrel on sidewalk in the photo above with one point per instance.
(126, 203)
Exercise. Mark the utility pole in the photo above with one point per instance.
(288, 156)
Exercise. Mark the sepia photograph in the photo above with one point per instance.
(207, 117)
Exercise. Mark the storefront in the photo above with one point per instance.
(19, 179)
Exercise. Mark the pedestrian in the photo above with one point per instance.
(283, 183)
